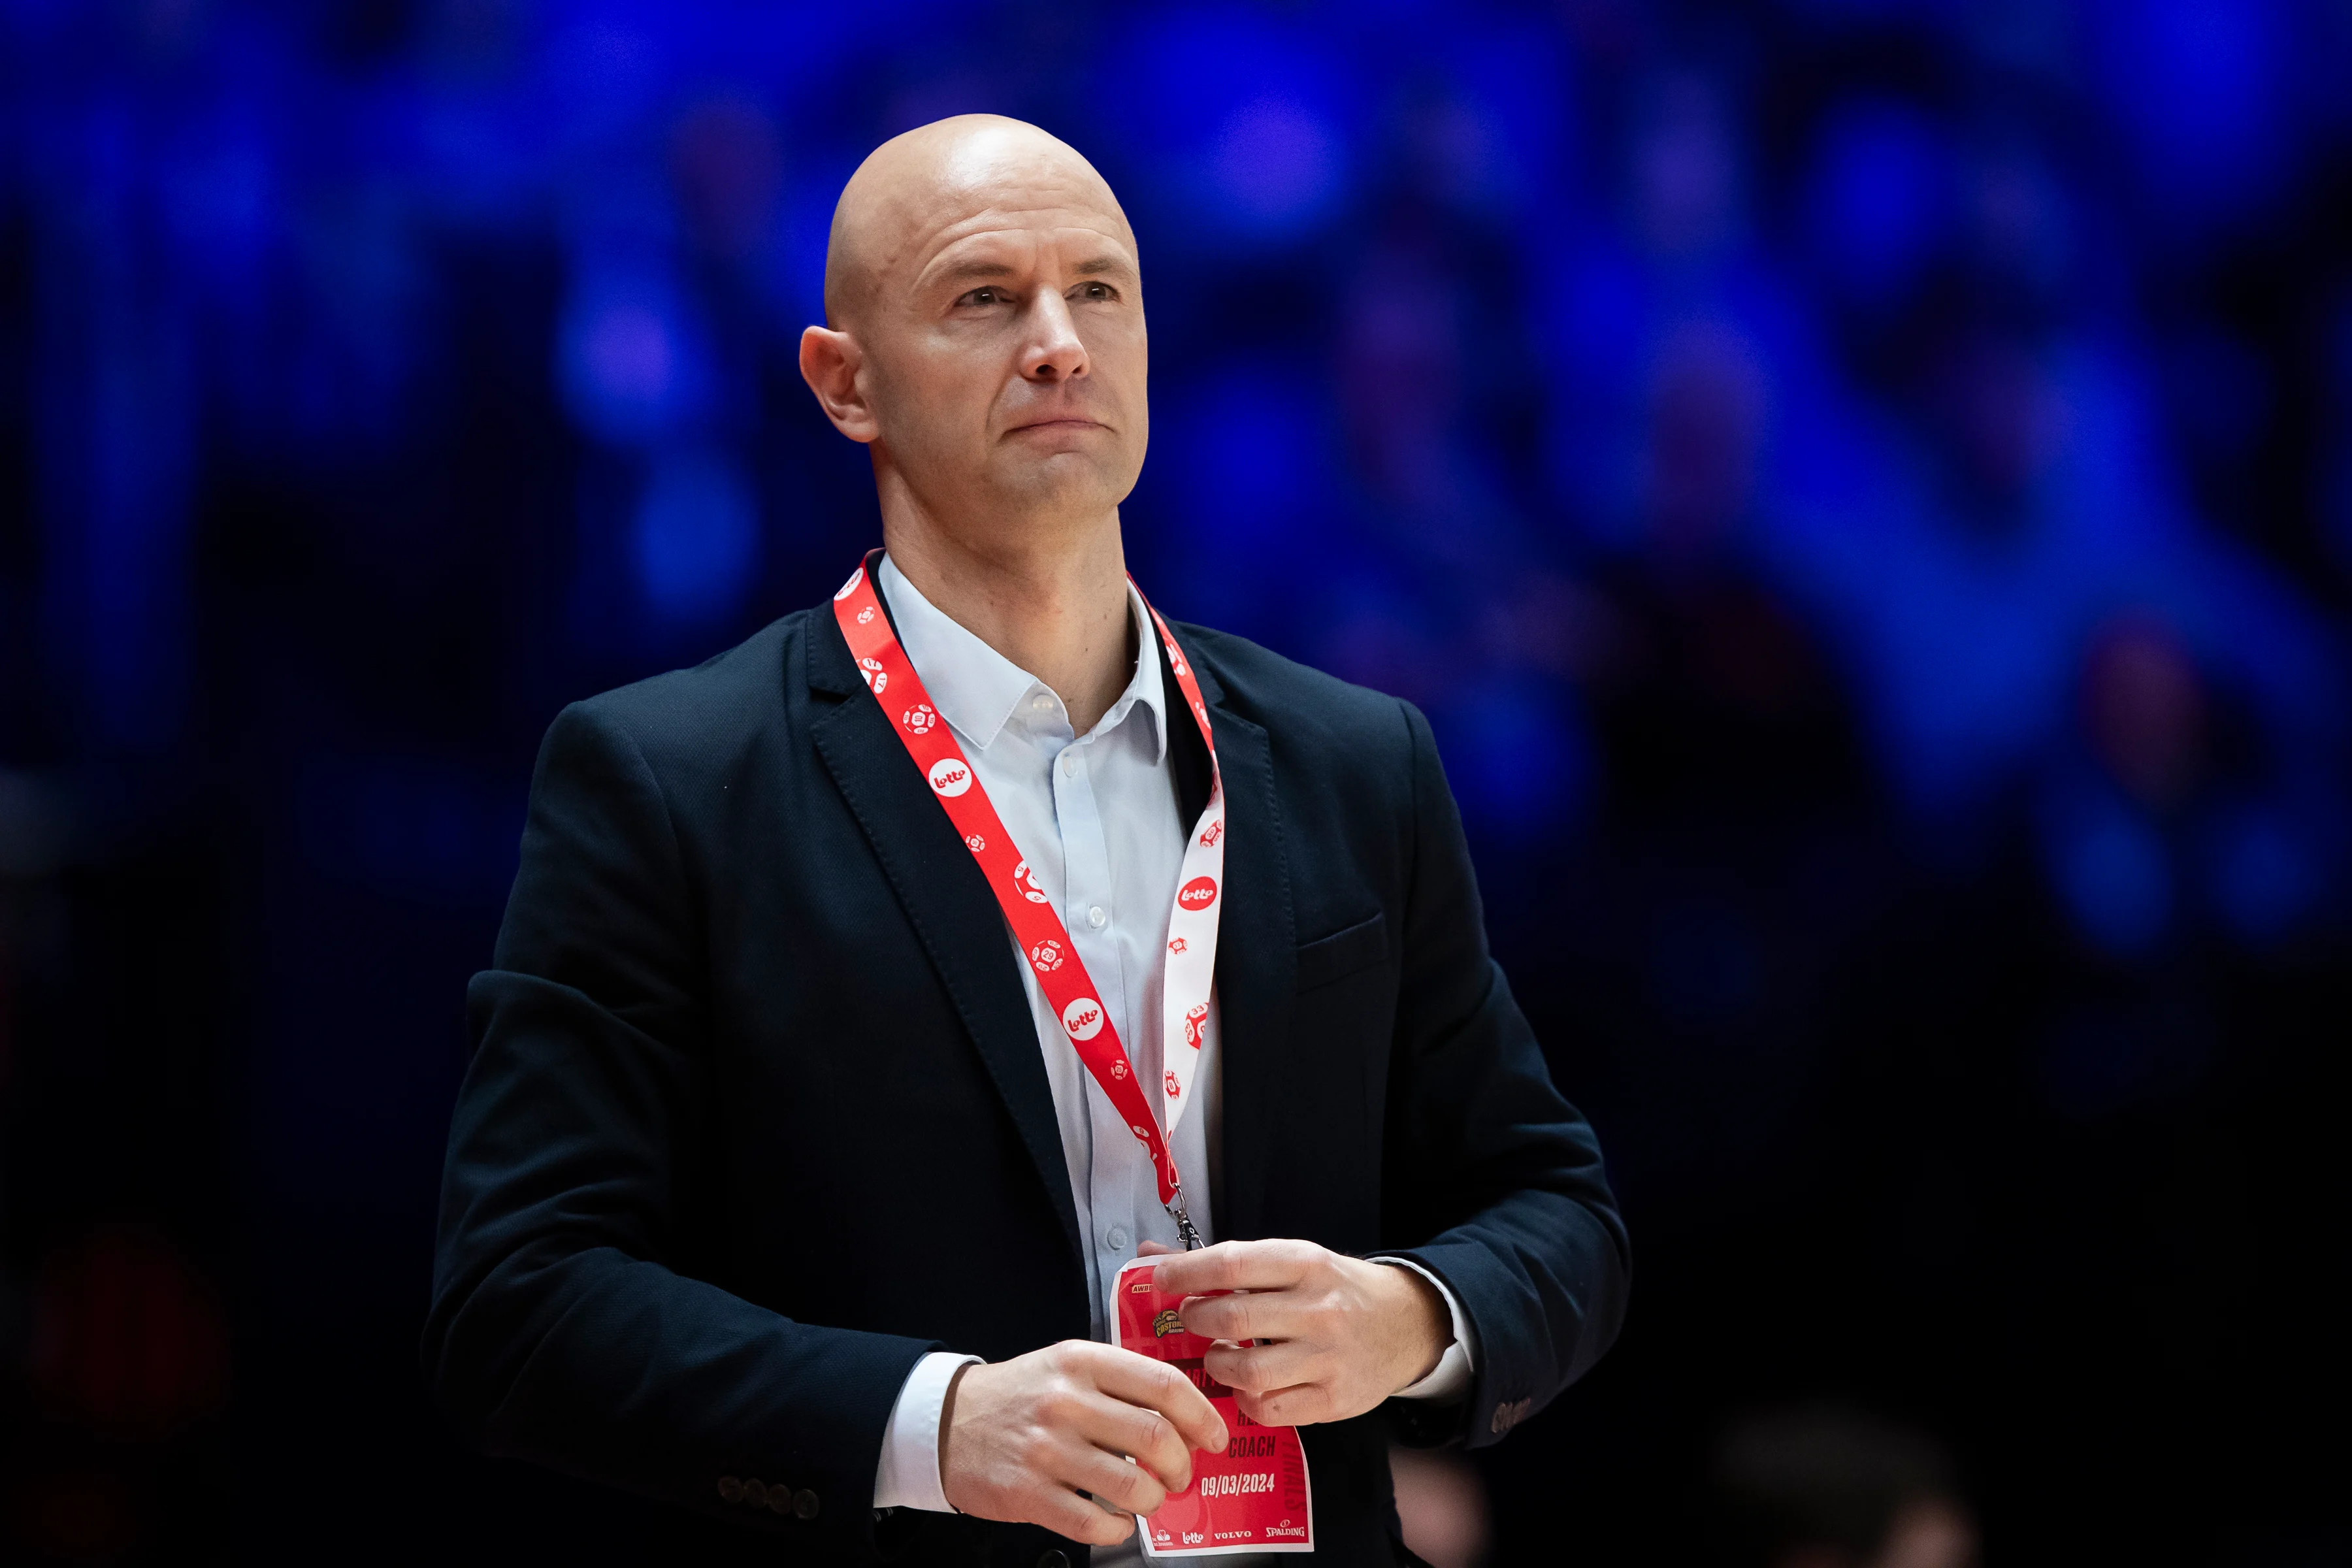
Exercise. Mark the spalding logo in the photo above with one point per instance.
(951, 776)
(875, 680)
(1197, 894)
(918, 719)
(1028, 884)
(1047, 956)
(1084, 1019)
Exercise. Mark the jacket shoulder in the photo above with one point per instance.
(703, 716)
(1302, 704)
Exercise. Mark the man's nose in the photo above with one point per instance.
(1054, 351)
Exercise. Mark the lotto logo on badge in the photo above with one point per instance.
(1023, 879)
(950, 775)
(1083, 1018)
(875, 680)
(851, 586)
(919, 720)
(1197, 894)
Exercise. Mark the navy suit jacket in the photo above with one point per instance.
(756, 1114)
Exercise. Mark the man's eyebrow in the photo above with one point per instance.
(976, 268)
(1095, 265)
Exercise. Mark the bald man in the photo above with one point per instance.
(870, 995)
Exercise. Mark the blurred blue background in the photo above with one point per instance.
(1862, 489)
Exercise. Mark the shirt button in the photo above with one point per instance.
(1116, 1238)
(1070, 763)
(1041, 702)
(1097, 918)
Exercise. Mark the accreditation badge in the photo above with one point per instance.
(1252, 1497)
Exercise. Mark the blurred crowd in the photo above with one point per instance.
(1862, 489)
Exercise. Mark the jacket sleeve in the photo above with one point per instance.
(1484, 1156)
(565, 1327)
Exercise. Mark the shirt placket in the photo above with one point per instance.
(1117, 1165)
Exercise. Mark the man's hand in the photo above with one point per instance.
(1341, 1335)
(1020, 1439)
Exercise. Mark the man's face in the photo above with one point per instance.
(1002, 337)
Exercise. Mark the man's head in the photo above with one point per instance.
(984, 333)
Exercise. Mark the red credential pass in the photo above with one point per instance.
(1252, 1497)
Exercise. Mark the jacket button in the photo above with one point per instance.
(730, 1489)
(755, 1492)
(1053, 1559)
(805, 1504)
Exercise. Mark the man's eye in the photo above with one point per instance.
(1094, 291)
(985, 297)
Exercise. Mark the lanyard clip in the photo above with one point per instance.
(1184, 1228)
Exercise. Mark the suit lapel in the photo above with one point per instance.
(945, 897)
(1256, 958)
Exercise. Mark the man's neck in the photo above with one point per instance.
(1061, 614)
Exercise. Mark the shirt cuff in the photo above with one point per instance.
(1450, 1378)
(908, 1475)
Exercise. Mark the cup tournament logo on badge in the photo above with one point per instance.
(876, 680)
(918, 719)
(950, 775)
(1166, 1322)
(1084, 1019)
(1197, 894)
(1027, 883)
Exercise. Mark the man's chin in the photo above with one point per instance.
(1075, 482)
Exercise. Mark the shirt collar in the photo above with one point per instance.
(978, 689)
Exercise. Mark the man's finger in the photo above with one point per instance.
(1140, 1433)
(1156, 1385)
(1117, 1484)
(1301, 1404)
(1260, 1369)
(1259, 1315)
(1066, 1513)
(1236, 1266)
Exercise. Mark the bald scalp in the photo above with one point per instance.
(923, 180)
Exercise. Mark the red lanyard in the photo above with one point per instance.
(1192, 957)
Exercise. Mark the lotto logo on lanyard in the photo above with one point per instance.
(1191, 958)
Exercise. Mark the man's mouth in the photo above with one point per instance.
(1060, 422)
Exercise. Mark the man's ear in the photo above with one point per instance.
(829, 364)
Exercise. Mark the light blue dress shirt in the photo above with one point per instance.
(1096, 817)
